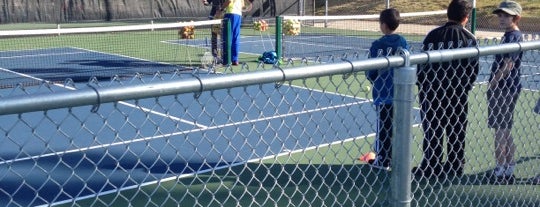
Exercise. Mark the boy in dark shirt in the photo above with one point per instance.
(443, 92)
(503, 92)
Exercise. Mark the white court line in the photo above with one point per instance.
(327, 45)
(321, 45)
(42, 55)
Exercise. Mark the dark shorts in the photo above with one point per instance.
(501, 105)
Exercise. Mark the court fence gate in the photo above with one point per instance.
(273, 137)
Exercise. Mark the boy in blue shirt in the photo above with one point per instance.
(383, 87)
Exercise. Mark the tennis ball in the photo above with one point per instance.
(366, 88)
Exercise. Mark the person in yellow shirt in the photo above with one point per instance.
(233, 12)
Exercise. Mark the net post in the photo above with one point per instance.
(301, 5)
(228, 40)
(279, 37)
(326, 13)
(404, 81)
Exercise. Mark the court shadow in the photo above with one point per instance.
(118, 63)
(356, 185)
(483, 178)
(324, 184)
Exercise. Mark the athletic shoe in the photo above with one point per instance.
(502, 180)
(218, 61)
(375, 161)
(381, 165)
(498, 171)
(509, 170)
(536, 180)
(499, 176)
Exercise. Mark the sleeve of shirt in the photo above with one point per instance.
(475, 66)
(371, 75)
(510, 38)
(422, 69)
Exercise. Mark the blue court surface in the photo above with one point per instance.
(93, 153)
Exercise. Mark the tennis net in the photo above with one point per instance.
(79, 54)
(319, 37)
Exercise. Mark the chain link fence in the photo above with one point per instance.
(285, 136)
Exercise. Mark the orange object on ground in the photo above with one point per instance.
(370, 156)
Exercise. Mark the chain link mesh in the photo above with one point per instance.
(291, 143)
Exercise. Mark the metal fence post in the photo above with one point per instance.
(404, 81)
(279, 37)
(227, 40)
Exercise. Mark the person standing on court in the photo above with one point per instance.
(233, 12)
(443, 92)
(215, 13)
(503, 92)
(383, 86)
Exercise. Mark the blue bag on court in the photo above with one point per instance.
(269, 57)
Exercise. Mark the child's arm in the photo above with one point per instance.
(504, 69)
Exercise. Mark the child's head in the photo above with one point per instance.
(509, 13)
(459, 10)
(390, 17)
(509, 7)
